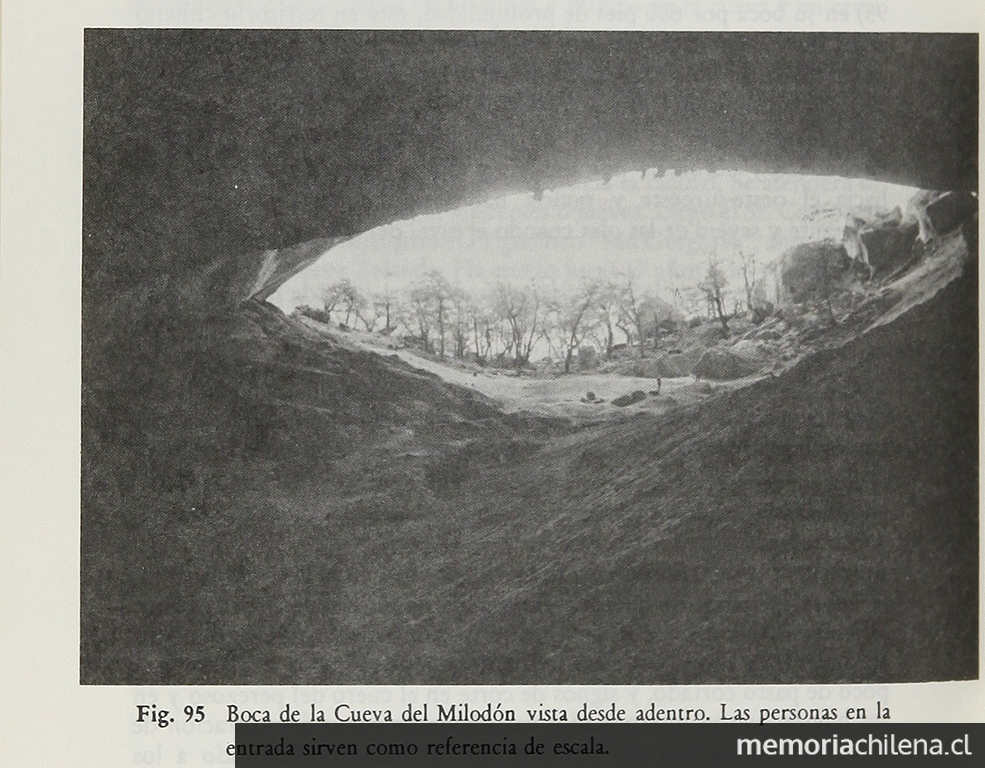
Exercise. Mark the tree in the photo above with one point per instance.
(402, 315)
(714, 288)
(431, 302)
(481, 327)
(383, 304)
(519, 310)
(354, 305)
(578, 318)
(331, 297)
(748, 277)
(460, 319)
(687, 300)
(574, 318)
(441, 293)
(421, 314)
(369, 314)
(344, 296)
(607, 311)
(640, 314)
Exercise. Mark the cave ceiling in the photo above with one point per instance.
(200, 143)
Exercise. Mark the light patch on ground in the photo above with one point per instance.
(561, 396)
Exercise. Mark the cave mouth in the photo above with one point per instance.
(658, 226)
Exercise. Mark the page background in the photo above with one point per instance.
(46, 716)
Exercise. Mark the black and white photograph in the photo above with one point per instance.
(478, 357)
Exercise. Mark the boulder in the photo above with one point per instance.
(661, 366)
(761, 310)
(722, 365)
(624, 400)
(688, 359)
(314, 314)
(892, 218)
(812, 270)
(671, 367)
(890, 246)
(587, 358)
(750, 351)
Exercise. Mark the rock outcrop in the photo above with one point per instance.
(950, 210)
(889, 245)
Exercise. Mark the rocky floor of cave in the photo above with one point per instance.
(818, 526)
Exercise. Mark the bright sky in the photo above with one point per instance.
(660, 229)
